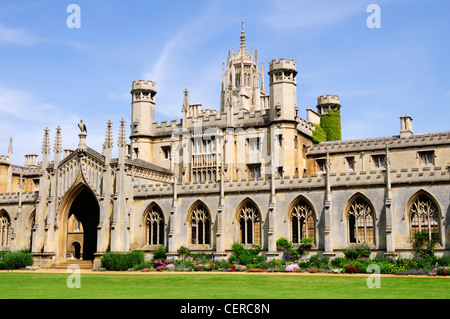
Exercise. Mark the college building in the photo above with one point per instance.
(251, 171)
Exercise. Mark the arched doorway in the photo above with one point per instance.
(76, 247)
(86, 210)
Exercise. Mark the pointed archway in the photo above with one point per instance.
(86, 210)
(81, 203)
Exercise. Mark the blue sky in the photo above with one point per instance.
(53, 75)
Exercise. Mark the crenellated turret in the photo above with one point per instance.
(142, 117)
(283, 90)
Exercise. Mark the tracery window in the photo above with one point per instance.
(5, 229)
(155, 226)
(360, 221)
(423, 216)
(302, 221)
(200, 225)
(249, 224)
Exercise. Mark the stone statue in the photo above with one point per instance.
(82, 127)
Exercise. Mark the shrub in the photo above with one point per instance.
(306, 242)
(16, 260)
(362, 251)
(120, 262)
(443, 261)
(135, 257)
(319, 261)
(338, 262)
(184, 252)
(283, 242)
(424, 244)
(160, 252)
(246, 256)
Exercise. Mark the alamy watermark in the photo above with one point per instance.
(74, 19)
(74, 279)
(374, 19)
(374, 280)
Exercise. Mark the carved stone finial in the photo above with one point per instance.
(108, 139)
(46, 142)
(122, 134)
(58, 145)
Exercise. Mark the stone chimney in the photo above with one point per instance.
(31, 160)
(406, 126)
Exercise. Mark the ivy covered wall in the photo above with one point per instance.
(330, 125)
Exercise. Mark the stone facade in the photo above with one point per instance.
(248, 173)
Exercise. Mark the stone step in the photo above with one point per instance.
(83, 264)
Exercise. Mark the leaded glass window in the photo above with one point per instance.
(249, 224)
(423, 216)
(200, 225)
(5, 229)
(360, 221)
(155, 226)
(302, 220)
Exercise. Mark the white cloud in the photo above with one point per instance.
(24, 117)
(17, 36)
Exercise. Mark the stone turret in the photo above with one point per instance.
(328, 108)
(283, 90)
(142, 117)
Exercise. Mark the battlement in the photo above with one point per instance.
(417, 140)
(328, 99)
(282, 64)
(420, 176)
(4, 159)
(144, 85)
(13, 198)
(304, 126)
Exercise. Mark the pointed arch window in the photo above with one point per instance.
(302, 221)
(360, 221)
(200, 225)
(423, 215)
(5, 229)
(250, 224)
(154, 221)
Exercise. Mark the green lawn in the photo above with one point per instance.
(16, 285)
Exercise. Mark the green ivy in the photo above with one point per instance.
(331, 123)
(318, 135)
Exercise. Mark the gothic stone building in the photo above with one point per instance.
(250, 173)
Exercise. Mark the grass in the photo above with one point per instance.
(33, 285)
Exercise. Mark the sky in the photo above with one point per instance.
(53, 75)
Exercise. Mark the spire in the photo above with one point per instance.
(186, 100)
(108, 144)
(122, 136)
(46, 142)
(10, 148)
(242, 37)
(58, 146)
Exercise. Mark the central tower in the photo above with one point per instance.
(241, 80)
